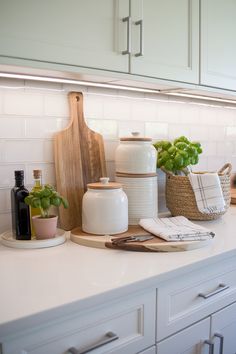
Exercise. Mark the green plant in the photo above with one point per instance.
(44, 199)
(178, 155)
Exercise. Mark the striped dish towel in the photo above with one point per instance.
(177, 228)
(208, 192)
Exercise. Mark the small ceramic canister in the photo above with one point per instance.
(135, 154)
(105, 208)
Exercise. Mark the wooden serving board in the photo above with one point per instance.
(154, 245)
(79, 160)
(233, 195)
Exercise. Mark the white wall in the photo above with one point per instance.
(31, 112)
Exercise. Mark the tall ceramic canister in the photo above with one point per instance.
(105, 208)
(135, 161)
(135, 155)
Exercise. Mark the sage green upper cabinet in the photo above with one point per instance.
(85, 33)
(165, 39)
(218, 49)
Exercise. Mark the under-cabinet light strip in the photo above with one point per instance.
(76, 82)
(114, 86)
(201, 97)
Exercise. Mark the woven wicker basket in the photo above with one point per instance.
(180, 199)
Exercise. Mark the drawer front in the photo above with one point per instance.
(131, 322)
(190, 297)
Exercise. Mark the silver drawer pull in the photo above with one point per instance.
(109, 337)
(128, 49)
(140, 53)
(220, 288)
(218, 335)
(211, 346)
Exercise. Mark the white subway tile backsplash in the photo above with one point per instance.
(199, 133)
(5, 197)
(43, 128)
(231, 133)
(56, 105)
(43, 86)
(7, 179)
(209, 148)
(8, 83)
(177, 130)
(110, 170)
(23, 103)
(125, 128)
(117, 108)
(143, 110)
(5, 221)
(12, 127)
(28, 151)
(215, 163)
(93, 107)
(110, 148)
(108, 128)
(156, 130)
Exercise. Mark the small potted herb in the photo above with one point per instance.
(45, 225)
(177, 156)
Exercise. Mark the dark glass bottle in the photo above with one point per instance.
(20, 210)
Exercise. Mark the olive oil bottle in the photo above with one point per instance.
(20, 211)
(37, 174)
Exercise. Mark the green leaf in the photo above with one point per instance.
(45, 203)
(65, 203)
(55, 201)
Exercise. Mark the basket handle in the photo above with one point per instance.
(226, 169)
(170, 173)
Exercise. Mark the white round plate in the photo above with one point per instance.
(8, 240)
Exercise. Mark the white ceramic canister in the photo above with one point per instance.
(135, 154)
(142, 196)
(105, 208)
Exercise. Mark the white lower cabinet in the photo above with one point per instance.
(192, 340)
(123, 327)
(223, 330)
(213, 335)
(151, 350)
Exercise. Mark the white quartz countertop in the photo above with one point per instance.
(38, 281)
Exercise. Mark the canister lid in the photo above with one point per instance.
(104, 184)
(136, 136)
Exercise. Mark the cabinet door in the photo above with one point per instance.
(224, 330)
(169, 34)
(189, 341)
(126, 326)
(72, 32)
(151, 350)
(218, 50)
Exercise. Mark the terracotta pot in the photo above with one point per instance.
(45, 227)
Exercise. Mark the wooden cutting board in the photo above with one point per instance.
(233, 195)
(154, 245)
(79, 160)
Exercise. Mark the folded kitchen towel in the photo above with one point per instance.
(208, 192)
(177, 228)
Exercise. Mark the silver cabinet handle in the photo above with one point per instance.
(109, 337)
(211, 346)
(220, 288)
(128, 20)
(218, 335)
(140, 23)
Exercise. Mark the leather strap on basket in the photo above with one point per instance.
(225, 170)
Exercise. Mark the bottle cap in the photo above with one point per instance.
(37, 174)
(19, 174)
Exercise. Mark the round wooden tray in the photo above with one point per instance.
(154, 245)
(8, 240)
